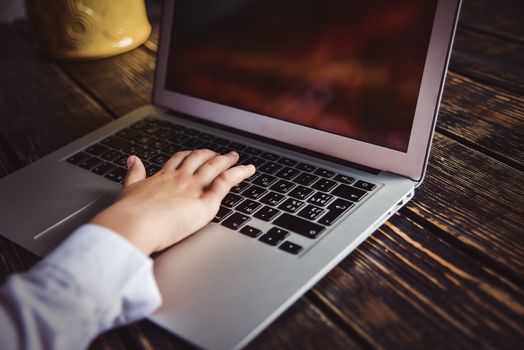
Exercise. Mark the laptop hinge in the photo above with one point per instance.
(277, 143)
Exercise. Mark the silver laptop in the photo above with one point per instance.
(334, 102)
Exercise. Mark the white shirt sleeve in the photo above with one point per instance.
(93, 281)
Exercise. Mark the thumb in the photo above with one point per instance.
(135, 171)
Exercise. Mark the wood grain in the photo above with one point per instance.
(40, 108)
(489, 59)
(405, 287)
(484, 117)
(500, 17)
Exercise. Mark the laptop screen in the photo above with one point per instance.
(348, 67)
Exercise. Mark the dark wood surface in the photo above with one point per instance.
(446, 272)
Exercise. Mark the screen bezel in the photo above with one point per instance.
(411, 163)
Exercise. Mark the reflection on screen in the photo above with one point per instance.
(344, 66)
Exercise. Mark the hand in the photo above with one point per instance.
(156, 212)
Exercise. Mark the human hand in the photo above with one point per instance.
(156, 212)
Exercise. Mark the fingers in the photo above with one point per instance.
(229, 178)
(195, 159)
(174, 162)
(216, 165)
(135, 171)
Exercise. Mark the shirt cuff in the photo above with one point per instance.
(108, 269)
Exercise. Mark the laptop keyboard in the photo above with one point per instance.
(292, 196)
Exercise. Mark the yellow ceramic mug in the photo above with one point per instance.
(86, 29)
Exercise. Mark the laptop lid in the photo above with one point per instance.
(359, 81)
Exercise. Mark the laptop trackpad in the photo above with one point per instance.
(54, 235)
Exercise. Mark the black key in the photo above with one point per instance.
(287, 161)
(270, 168)
(331, 216)
(240, 187)
(122, 160)
(253, 151)
(365, 185)
(325, 172)
(255, 161)
(267, 213)
(129, 134)
(152, 169)
(350, 193)
(117, 175)
(311, 212)
(221, 150)
(291, 205)
(139, 125)
(253, 177)
(159, 159)
(243, 157)
(298, 225)
(320, 198)
(282, 186)
(340, 204)
(290, 247)
(305, 167)
(235, 221)
(151, 129)
(254, 192)
(89, 163)
(178, 139)
(300, 192)
(274, 236)
(192, 143)
(143, 140)
(222, 213)
(231, 199)
(146, 154)
(191, 132)
(103, 168)
(157, 144)
(264, 180)
(205, 136)
(171, 149)
(96, 150)
(236, 146)
(111, 154)
(77, 158)
(248, 206)
(272, 198)
(251, 231)
(220, 141)
(305, 179)
(134, 149)
(324, 185)
(344, 179)
(270, 156)
(178, 128)
(115, 142)
(287, 173)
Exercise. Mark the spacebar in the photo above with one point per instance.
(298, 225)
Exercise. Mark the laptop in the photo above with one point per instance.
(334, 102)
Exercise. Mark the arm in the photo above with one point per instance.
(101, 276)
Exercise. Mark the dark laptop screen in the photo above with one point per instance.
(348, 67)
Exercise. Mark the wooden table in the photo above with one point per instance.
(447, 271)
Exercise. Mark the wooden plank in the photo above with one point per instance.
(489, 59)
(40, 109)
(406, 288)
(484, 117)
(500, 17)
(476, 200)
(122, 82)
